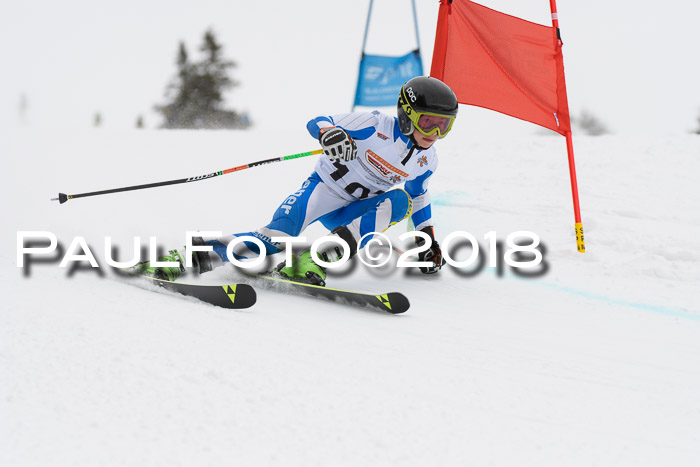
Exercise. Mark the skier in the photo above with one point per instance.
(353, 190)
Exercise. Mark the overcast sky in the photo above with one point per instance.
(634, 64)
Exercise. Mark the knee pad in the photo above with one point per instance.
(401, 205)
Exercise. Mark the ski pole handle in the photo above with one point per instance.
(62, 197)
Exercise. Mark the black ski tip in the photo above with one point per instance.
(245, 297)
(395, 302)
(234, 296)
(62, 198)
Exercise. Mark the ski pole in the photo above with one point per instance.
(62, 197)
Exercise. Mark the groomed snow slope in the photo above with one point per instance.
(596, 362)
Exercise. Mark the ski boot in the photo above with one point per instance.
(304, 269)
(201, 263)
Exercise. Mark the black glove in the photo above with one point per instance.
(337, 144)
(433, 254)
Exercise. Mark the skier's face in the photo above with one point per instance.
(424, 141)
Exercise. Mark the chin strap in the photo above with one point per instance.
(410, 152)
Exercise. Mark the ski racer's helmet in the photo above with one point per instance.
(428, 105)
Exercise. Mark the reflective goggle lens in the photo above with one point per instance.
(429, 124)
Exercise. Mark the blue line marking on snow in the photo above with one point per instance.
(668, 311)
(448, 198)
(451, 198)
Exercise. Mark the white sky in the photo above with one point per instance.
(634, 64)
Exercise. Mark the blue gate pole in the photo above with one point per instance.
(364, 44)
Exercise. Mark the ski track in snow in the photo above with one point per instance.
(597, 362)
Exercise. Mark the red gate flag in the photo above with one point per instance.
(502, 63)
(509, 65)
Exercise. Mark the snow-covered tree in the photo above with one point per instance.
(591, 125)
(196, 94)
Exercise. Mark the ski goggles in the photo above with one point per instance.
(429, 123)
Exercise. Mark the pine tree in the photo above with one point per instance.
(22, 109)
(591, 125)
(196, 93)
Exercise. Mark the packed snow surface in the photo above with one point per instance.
(594, 362)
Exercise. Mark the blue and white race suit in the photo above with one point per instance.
(364, 194)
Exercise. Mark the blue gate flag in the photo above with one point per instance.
(381, 77)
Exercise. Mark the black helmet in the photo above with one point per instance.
(426, 95)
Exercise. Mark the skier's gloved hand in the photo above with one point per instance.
(337, 144)
(433, 254)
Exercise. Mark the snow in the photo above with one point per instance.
(595, 362)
